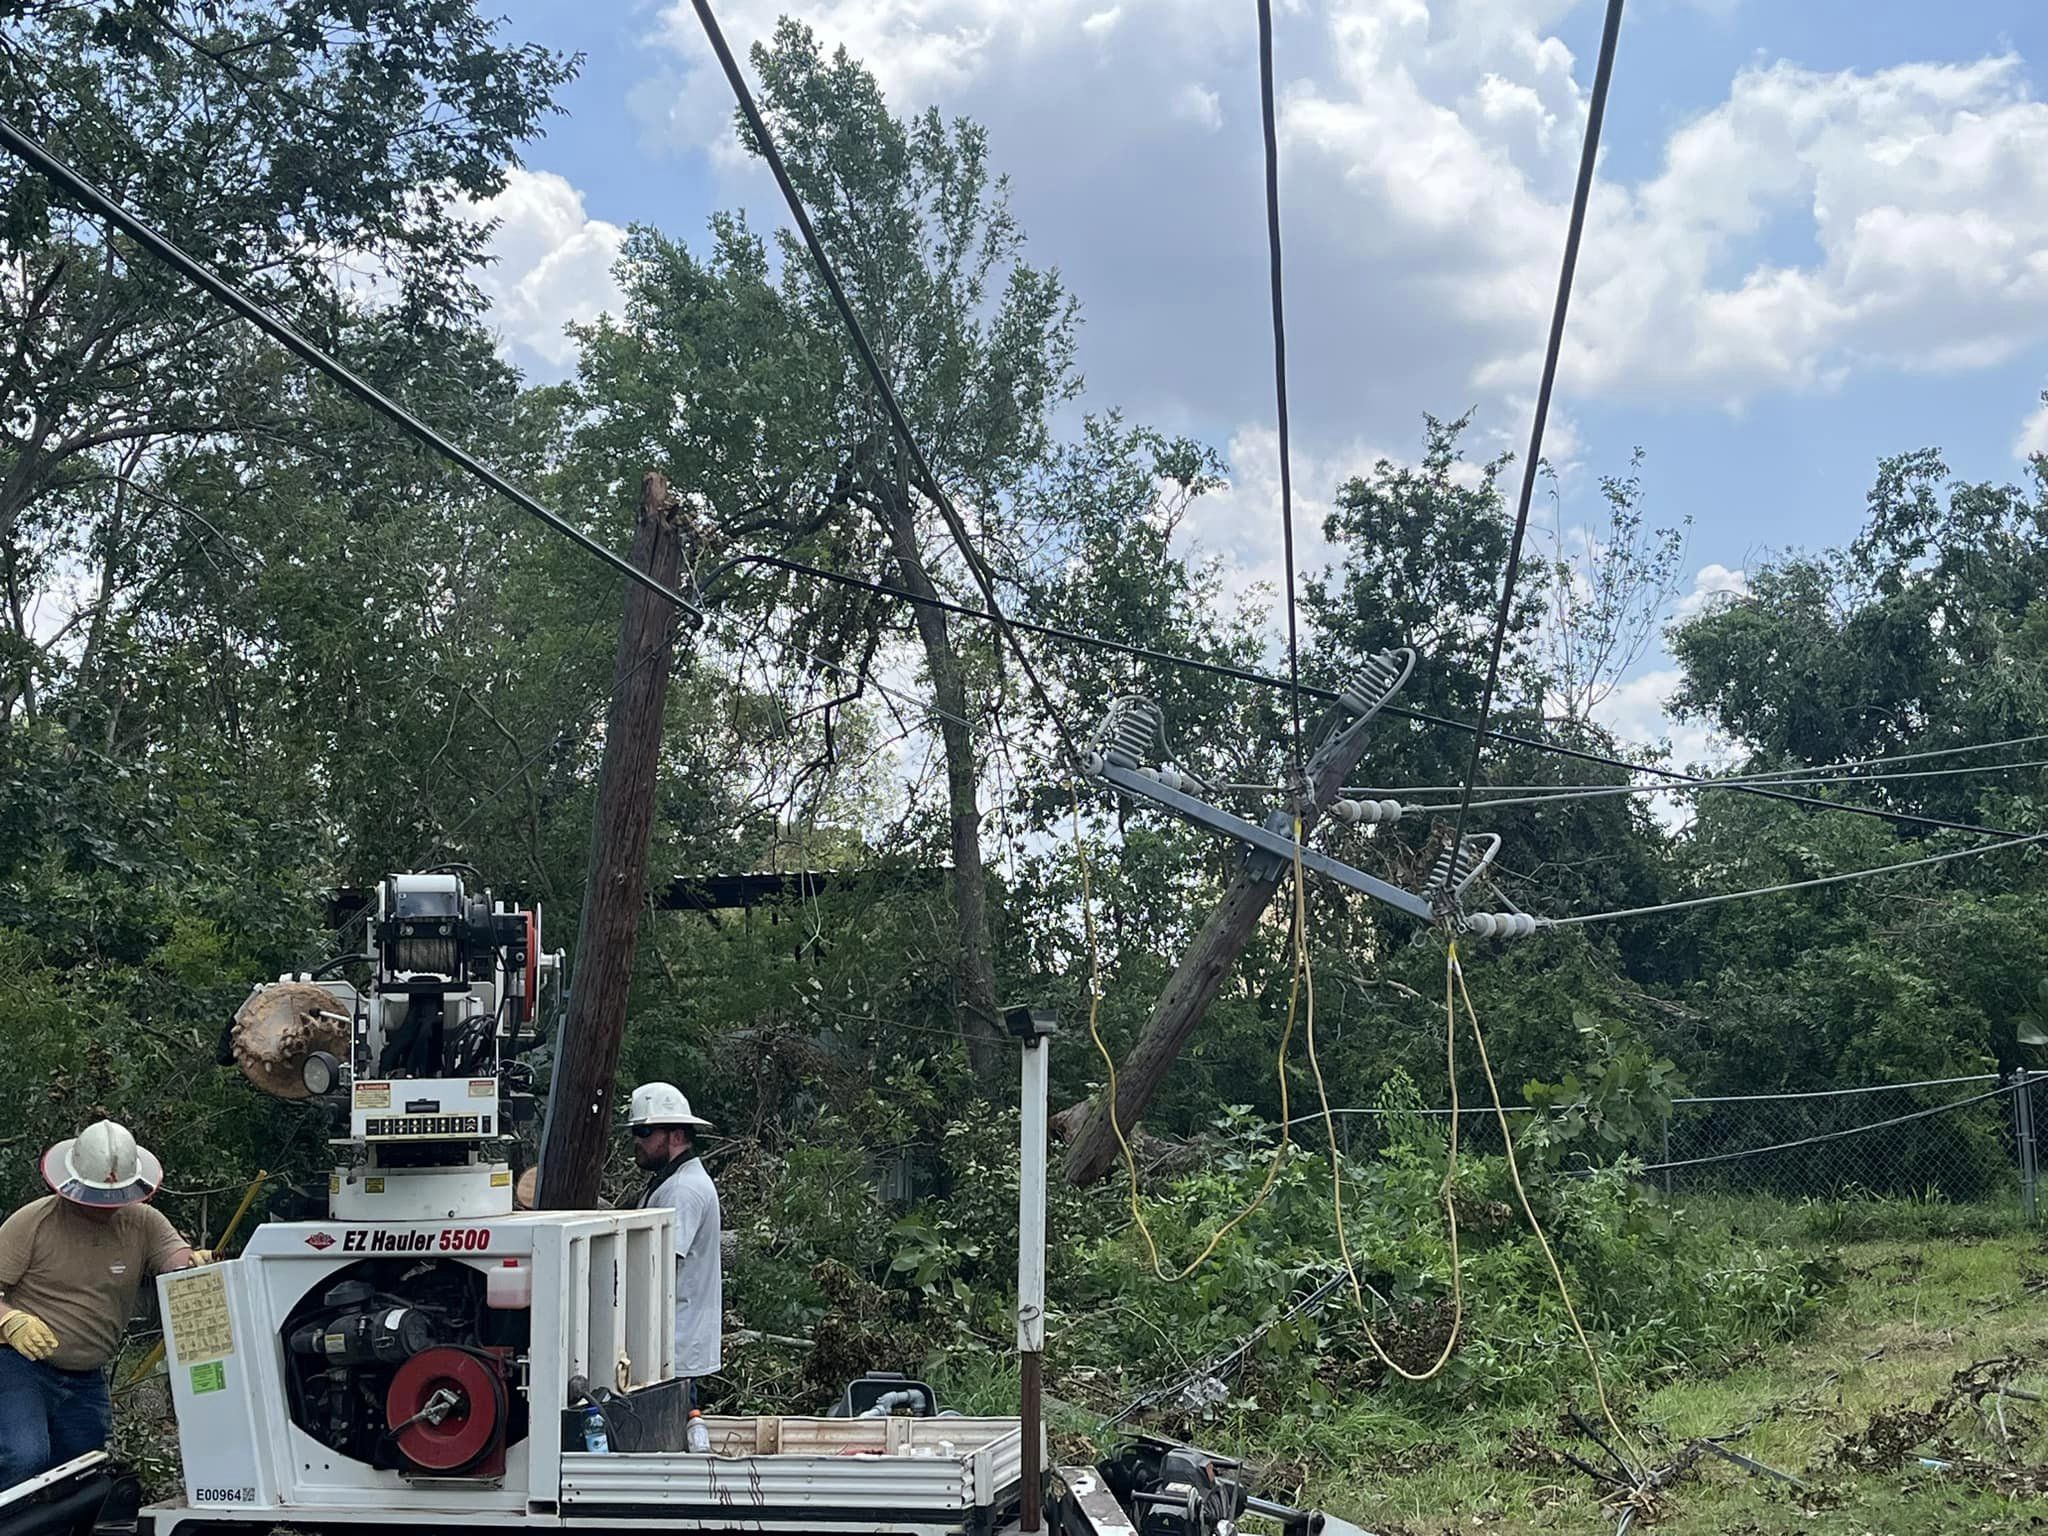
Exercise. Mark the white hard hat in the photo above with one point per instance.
(102, 1166)
(659, 1104)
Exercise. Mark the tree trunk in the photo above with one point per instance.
(572, 1153)
(980, 1019)
(1186, 997)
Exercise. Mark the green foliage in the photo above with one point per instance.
(307, 653)
(1620, 1108)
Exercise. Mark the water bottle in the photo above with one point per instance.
(698, 1436)
(594, 1437)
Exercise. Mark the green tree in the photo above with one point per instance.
(783, 438)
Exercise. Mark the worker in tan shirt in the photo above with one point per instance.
(70, 1265)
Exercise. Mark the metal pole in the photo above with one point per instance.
(2023, 1130)
(1031, 1026)
(1666, 1159)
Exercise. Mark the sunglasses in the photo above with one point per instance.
(642, 1132)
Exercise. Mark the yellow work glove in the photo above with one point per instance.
(27, 1335)
(201, 1256)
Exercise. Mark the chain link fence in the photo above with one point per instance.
(1958, 1139)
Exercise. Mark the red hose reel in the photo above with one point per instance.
(449, 1412)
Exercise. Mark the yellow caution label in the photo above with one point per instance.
(196, 1308)
(373, 1186)
(501, 1181)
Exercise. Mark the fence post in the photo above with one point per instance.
(2023, 1136)
(1666, 1159)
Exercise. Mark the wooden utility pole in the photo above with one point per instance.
(572, 1149)
(1091, 1141)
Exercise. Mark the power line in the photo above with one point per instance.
(40, 159)
(927, 482)
(1597, 791)
(1581, 194)
(1545, 794)
(1789, 885)
(1420, 716)
(1280, 373)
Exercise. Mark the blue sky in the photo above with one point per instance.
(1821, 235)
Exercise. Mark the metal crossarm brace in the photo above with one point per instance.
(1133, 726)
(1275, 844)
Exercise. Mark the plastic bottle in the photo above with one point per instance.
(698, 1435)
(595, 1437)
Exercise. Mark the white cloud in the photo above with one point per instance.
(1638, 712)
(1711, 584)
(1196, 103)
(1808, 228)
(1431, 148)
(552, 263)
(1924, 188)
(1241, 524)
(2033, 436)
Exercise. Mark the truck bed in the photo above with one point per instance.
(944, 1476)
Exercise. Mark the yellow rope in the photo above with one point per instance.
(1304, 976)
(1337, 1159)
(1109, 1063)
(1515, 1173)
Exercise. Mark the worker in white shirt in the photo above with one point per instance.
(665, 1144)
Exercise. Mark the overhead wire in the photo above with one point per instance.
(1727, 1098)
(1589, 151)
(2002, 1091)
(926, 481)
(1676, 777)
(1782, 887)
(1818, 778)
(1302, 790)
(32, 153)
(1274, 267)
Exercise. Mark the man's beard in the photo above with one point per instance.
(647, 1157)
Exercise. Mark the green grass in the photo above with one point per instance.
(1928, 1289)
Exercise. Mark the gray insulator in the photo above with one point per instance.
(1129, 732)
(1454, 869)
(1500, 925)
(1390, 810)
(1378, 680)
(1350, 812)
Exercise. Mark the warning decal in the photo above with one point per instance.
(196, 1308)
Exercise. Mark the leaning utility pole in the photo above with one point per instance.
(572, 1149)
(1270, 853)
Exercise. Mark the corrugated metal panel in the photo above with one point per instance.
(843, 1474)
